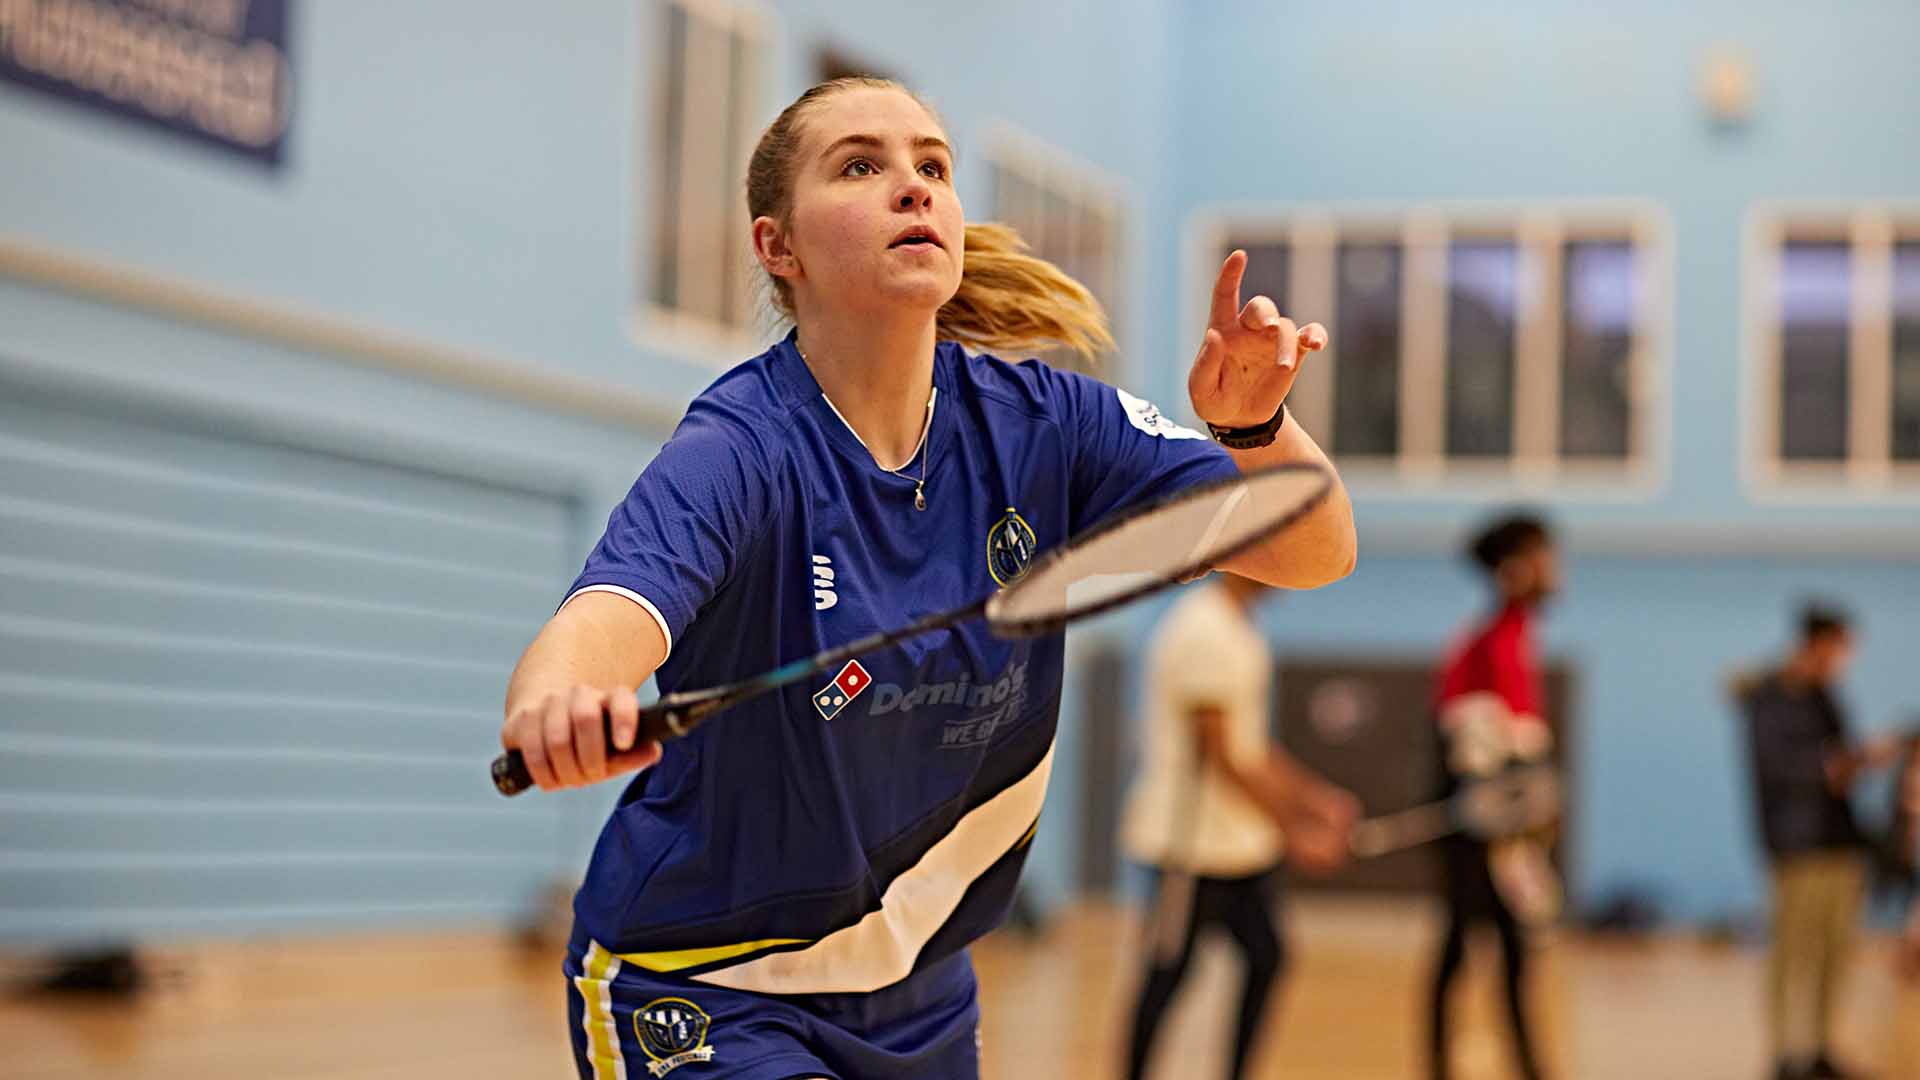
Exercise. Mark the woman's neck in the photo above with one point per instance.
(878, 376)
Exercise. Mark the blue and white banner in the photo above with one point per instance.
(213, 70)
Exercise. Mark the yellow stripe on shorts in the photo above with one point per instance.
(676, 959)
(603, 1034)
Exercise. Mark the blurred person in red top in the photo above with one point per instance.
(1489, 710)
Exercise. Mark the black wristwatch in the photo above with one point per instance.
(1250, 438)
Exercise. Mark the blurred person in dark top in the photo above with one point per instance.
(1805, 764)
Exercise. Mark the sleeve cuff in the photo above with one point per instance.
(666, 633)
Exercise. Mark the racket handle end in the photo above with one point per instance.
(510, 775)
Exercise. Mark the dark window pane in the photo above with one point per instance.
(1267, 268)
(1814, 285)
(1906, 351)
(666, 176)
(1597, 310)
(1366, 391)
(1482, 288)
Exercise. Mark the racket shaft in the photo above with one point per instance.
(1397, 832)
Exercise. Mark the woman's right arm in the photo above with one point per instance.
(587, 663)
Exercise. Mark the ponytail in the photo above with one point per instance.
(1010, 300)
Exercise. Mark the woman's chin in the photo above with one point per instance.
(926, 290)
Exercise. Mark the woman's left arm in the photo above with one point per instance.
(1247, 364)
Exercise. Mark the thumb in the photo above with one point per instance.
(1204, 379)
(641, 756)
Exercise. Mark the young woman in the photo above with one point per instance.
(789, 891)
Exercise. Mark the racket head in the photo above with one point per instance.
(1155, 545)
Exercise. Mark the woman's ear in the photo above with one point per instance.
(770, 247)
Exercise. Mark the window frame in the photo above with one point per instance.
(1871, 231)
(695, 339)
(1089, 191)
(1424, 232)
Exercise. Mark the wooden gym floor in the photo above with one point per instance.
(474, 1006)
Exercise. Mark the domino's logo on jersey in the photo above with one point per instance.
(852, 681)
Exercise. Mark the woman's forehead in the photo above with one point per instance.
(890, 114)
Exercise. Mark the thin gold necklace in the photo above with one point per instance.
(922, 451)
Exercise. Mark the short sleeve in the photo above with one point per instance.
(683, 528)
(1125, 451)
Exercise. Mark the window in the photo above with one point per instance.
(1906, 349)
(1466, 342)
(698, 271)
(1070, 217)
(1835, 297)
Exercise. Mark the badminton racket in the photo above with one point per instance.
(1514, 802)
(1119, 560)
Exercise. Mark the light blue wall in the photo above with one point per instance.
(465, 171)
(1403, 102)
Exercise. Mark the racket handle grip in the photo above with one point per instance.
(659, 722)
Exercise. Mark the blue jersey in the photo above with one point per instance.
(842, 833)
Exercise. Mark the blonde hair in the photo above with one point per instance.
(1007, 300)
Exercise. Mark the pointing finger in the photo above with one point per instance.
(1226, 290)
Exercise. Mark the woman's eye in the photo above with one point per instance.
(859, 167)
(934, 169)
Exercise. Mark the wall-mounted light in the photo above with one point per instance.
(1726, 87)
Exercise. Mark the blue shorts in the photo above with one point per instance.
(632, 1024)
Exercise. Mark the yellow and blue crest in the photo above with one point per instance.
(1010, 548)
(673, 1032)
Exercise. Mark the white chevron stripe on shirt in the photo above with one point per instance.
(880, 949)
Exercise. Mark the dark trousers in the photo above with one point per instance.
(1183, 906)
(1472, 901)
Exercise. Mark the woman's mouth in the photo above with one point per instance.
(917, 236)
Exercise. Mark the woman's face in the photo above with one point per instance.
(876, 224)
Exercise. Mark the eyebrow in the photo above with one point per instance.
(920, 142)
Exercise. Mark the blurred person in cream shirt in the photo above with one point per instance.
(1218, 803)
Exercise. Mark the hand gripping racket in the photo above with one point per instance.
(1119, 560)
(1516, 801)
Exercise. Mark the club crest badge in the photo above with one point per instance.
(852, 681)
(1010, 548)
(673, 1032)
(1145, 416)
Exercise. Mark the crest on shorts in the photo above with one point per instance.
(1010, 548)
(673, 1032)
